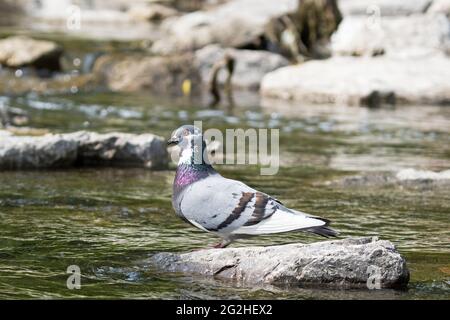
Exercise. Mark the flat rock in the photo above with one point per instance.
(363, 81)
(18, 152)
(385, 7)
(82, 148)
(348, 263)
(248, 69)
(20, 51)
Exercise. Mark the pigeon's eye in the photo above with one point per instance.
(185, 132)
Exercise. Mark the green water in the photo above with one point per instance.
(108, 221)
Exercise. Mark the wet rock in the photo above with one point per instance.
(351, 80)
(151, 12)
(384, 7)
(235, 23)
(138, 72)
(123, 149)
(348, 263)
(394, 36)
(20, 51)
(82, 148)
(249, 69)
(17, 152)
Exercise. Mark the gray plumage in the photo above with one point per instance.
(227, 207)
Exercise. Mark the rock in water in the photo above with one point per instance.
(120, 149)
(83, 148)
(16, 52)
(353, 80)
(349, 263)
(18, 152)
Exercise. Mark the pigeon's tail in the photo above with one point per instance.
(325, 230)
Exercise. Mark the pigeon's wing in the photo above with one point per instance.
(284, 220)
(228, 206)
(222, 205)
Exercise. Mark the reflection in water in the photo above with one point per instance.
(108, 221)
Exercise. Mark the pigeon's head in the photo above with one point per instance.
(184, 136)
(190, 141)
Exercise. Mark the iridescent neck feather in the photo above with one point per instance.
(192, 166)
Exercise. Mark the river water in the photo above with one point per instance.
(109, 220)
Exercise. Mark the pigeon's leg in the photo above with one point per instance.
(224, 243)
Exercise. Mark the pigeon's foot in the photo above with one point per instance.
(219, 245)
(222, 244)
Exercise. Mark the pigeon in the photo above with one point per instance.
(226, 207)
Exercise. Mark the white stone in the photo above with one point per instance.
(349, 80)
(82, 148)
(339, 263)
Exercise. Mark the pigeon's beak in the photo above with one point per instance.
(172, 141)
